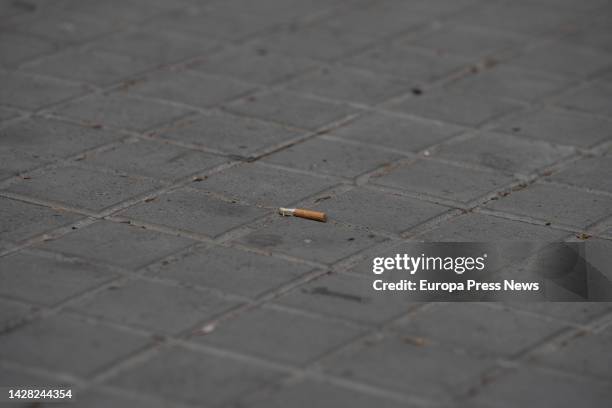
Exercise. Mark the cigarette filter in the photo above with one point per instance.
(302, 213)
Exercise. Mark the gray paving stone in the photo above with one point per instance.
(194, 211)
(594, 98)
(448, 106)
(65, 27)
(47, 280)
(477, 227)
(192, 88)
(48, 138)
(91, 66)
(157, 47)
(254, 64)
(117, 244)
(6, 113)
(333, 157)
(292, 109)
(280, 336)
(191, 377)
(350, 85)
(395, 132)
(468, 41)
(156, 307)
(12, 314)
(595, 34)
(586, 173)
(556, 204)
(51, 344)
(348, 297)
(443, 180)
(16, 48)
(408, 63)
(575, 312)
(230, 270)
(206, 22)
(15, 377)
(226, 133)
(22, 220)
(83, 188)
(122, 111)
(558, 126)
(155, 159)
(14, 162)
(383, 363)
(585, 354)
(308, 393)
(506, 153)
(319, 42)
(263, 185)
(518, 17)
(32, 92)
(385, 212)
(321, 242)
(511, 82)
(465, 325)
(564, 59)
(551, 390)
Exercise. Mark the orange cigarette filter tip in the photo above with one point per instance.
(302, 213)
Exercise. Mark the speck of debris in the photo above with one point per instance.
(415, 341)
(583, 236)
(198, 178)
(417, 91)
(318, 200)
(74, 228)
(26, 177)
(548, 223)
(516, 129)
(350, 239)
(96, 126)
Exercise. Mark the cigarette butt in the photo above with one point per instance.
(302, 213)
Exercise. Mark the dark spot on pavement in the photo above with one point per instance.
(321, 290)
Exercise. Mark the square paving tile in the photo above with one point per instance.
(556, 204)
(350, 85)
(155, 307)
(51, 344)
(381, 211)
(48, 138)
(464, 325)
(192, 88)
(47, 280)
(122, 111)
(34, 92)
(117, 244)
(587, 173)
(279, 335)
(263, 185)
(396, 132)
(443, 180)
(254, 64)
(194, 211)
(196, 378)
(22, 220)
(448, 106)
(226, 133)
(506, 153)
(77, 187)
(321, 242)
(559, 127)
(230, 270)
(291, 109)
(348, 297)
(155, 159)
(333, 157)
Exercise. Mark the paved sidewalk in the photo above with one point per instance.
(144, 148)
